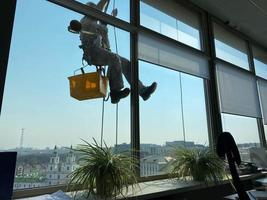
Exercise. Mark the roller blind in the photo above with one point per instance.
(263, 97)
(165, 53)
(228, 38)
(230, 47)
(237, 91)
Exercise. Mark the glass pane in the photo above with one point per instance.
(194, 107)
(174, 115)
(38, 112)
(230, 48)
(179, 24)
(260, 62)
(245, 132)
(122, 6)
(260, 68)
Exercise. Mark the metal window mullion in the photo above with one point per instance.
(212, 89)
(206, 49)
(261, 133)
(92, 12)
(260, 124)
(203, 33)
(135, 115)
(250, 58)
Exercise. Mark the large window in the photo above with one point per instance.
(172, 20)
(39, 118)
(43, 123)
(169, 117)
(174, 116)
(230, 48)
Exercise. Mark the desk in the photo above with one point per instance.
(253, 195)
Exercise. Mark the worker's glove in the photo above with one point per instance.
(114, 12)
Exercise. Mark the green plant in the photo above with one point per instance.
(103, 173)
(197, 164)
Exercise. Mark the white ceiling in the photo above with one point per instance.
(247, 16)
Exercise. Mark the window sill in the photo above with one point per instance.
(146, 190)
(167, 187)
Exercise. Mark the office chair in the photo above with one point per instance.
(226, 146)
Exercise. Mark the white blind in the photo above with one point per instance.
(237, 91)
(228, 38)
(263, 97)
(168, 54)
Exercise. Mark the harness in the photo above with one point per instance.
(92, 40)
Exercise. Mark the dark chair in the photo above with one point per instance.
(7, 172)
(226, 147)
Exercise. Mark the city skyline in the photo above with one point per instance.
(48, 149)
(52, 167)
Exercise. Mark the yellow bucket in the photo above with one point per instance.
(88, 86)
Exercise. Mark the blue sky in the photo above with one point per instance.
(43, 54)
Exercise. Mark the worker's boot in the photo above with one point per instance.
(117, 95)
(147, 91)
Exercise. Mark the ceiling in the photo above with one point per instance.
(247, 16)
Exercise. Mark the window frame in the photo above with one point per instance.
(7, 12)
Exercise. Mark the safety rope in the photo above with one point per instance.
(102, 121)
(117, 105)
(103, 109)
(103, 102)
(182, 107)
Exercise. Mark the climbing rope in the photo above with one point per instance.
(102, 121)
(182, 107)
(117, 105)
(103, 69)
(103, 102)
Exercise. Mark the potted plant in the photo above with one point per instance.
(198, 164)
(103, 174)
